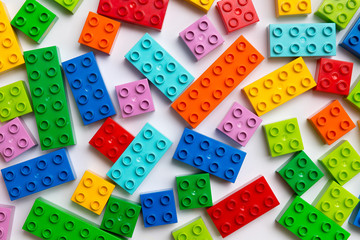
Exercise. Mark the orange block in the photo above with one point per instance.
(217, 82)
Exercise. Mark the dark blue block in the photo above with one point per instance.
(355, 216)
(351, 42)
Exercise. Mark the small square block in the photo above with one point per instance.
(355, 216)
(6, 221)
(292, 7)
(354, 96)
(201, 4)
(194, 230)
(70, 5)
(350, 42)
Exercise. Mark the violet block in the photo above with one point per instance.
(6, 221)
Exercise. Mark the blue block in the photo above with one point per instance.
(38, 174)
(139, 158)
(158, 208)
(88, 88)
(209, 155)
(302, 40)
(355, 216)
(157, 65)
(351, 41)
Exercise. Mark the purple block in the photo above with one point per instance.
(6, 220)
(201, 37)
(134, 98)
(239, 124)
(15, 139)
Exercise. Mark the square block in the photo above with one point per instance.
(355, 216)
(350, 42)
(71, 5)
(195, 230)
(6, 220)
(292, 7)
(354, 96)
(202, 5)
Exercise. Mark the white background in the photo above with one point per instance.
(116, 70)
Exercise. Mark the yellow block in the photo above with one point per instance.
(292, 7)
(204, 5)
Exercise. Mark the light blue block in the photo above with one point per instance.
(351, 41)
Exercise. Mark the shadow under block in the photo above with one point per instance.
(286, 8)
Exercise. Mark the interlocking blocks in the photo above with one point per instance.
(292, 7)
(99, 32)
(145, 13)
(49, 98)
(139, 158)
(203, 5)
(217, 82)
(243, 206)
(201, 37)
(70, 5)
(34, 20)
(38, 174)
(354, 96)
(195, 229)
(88, 88)
(352, 39)
(6, 220)
(134, 98)
(157, 65)
(209, 155)
(355, 216)
(239, 124)
(93, 192)
(158, 208)
(332, 122)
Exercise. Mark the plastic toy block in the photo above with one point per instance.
(201, 37)
(93, 192)
(352, 39)
(34, 20)
(145, 13)
(139, 158)
(292, 7)
(354, 96)
(243, 206)
(6, 220)
(111, 140)
(335, 202)
(47, 220)
(194, 191)
(15, 139)
(134, 98)
(49, 98)
(217, 82)
(120, 216)
(195, 230)
(201, 4)
(38, 174)
(158, 208)
(88, 88)
(307, 223)
(99, 32)
(209, 155)
(239, 124)
(355, 216)
(300, 172)
(333, 76)
(70, 5)
(280, 86)
(14, 101)
(157, 65)
(332, 122)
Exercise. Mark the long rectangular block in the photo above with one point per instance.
(6, 221)
(292, 7)
(351, 40)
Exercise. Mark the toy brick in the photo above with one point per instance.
(47, 89)
(70, 5)
(14, 101)
(158, 208)
(306, 40)
(352, 39)
(243, 206)
(139, 158)
(34, 20)
(292, 7)
(194, 191)
(217, 82)
(280, 86)
(201, 4)
(239, 124)
(195, 230)
(38, 174)
(157, 65)
(307, 223)
(300, 172)
(99, 32)
(209, 155)
(332, 122)
(201, 37)
(88, 88)
(354, 96)
(93, 192)
(120, 216)
(355, 216)
(6, 220)
(111, 140)
(145, 13)
(134, 98)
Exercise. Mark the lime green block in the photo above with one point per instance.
(354, 96)
(71, 5)
(195, 230)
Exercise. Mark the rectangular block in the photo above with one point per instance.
(196, 229)
(292, 7)
(202, 5)
(71, 6)
(7, 218)
(354, 96)
(350, 42)
(355, 216)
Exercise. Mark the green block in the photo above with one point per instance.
(300, 172)
(14, 101)
(308, 223)
(354, 96)
(194, 191)
(283, 137)
(49, 98)
(120, 216)
(71, 5)
(34, 20)
(195, 230)
(339, 12)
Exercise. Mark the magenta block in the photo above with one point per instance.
(134, 98)
(15, 139)
(239, 124)
(201, 37)
(6, 220)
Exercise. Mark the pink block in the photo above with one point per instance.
(134, 98)
(239, 124)
(201, 37)
(15, 139)
(6, 220)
